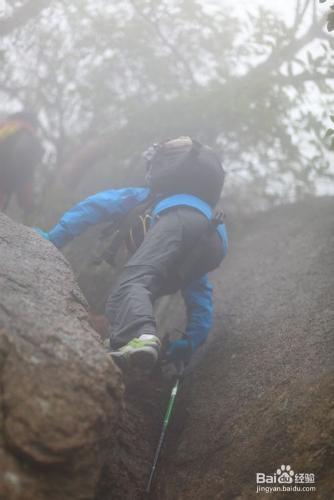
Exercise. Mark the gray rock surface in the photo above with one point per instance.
(60, 394)
(261, 393)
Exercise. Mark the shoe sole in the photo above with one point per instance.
(144, 360)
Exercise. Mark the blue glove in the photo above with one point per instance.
(42, 233)
(179, 351)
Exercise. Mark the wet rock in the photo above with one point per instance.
(60, 394)
(260, 393)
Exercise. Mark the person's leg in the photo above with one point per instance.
(154, 270)
(130, 306)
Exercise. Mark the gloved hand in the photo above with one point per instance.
(42, 233)
(179, 351)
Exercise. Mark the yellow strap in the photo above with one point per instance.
(145, 222)
(8, 129)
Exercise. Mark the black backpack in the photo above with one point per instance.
(130, 229)
(184, 165)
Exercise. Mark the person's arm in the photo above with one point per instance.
(198, 300)
(100, 207)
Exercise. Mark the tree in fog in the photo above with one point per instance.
(109, 78)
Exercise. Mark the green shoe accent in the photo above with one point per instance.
(140, 352)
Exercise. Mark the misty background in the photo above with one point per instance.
(253, 79)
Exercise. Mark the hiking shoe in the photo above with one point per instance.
(141, 352)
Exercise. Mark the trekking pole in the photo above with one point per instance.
(164, 429)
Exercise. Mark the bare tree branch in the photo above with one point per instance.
(305, 77)
(300, 13)
(286, 52)
(176, 53)
(297, 14)
(28, 11)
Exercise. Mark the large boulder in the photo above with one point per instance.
(60, 394)
(260, 394)
(257, 396)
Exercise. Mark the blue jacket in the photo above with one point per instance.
(103, 206)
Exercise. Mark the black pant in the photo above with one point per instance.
(160, 267)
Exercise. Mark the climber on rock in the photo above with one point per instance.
(20, 153)
(175, 240)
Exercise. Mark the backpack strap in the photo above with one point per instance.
(120, 230)
(182, 200)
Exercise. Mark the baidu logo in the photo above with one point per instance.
(285, 474)
(285, 480)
